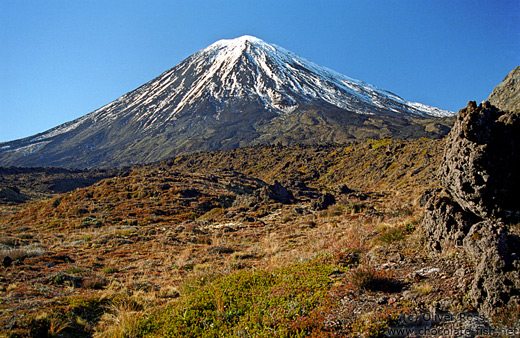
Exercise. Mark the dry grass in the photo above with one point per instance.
(368, 278)
(22, 252)
(423, 289)
(185, 259)
(121, 320)
(56, 323)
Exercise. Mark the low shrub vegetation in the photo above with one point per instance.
(286, 302)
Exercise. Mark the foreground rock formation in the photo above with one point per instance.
(506, 96)
(479, 196)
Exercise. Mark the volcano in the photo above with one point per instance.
(234, 93)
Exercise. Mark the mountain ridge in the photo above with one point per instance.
(231, 94)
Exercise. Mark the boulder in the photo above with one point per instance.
(344, 189)
(481, 190)
(274, 193)
(7, 261)
(323, 202)
(482, 161)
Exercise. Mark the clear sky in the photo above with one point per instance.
(60, 60)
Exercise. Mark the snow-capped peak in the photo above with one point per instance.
(234, 92)
(229, 43)
(248, 66)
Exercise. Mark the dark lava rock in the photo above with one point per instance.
(300, 188)
(190, 193)
(248, 219)
(344, 189)
(7, 261)
(323, 202)
(479, 173)
(275, 193)
(12, 195)
(445, 223)
(296, 184)
(482, 161)
(219, 249)
(495, 254)
(164, 186)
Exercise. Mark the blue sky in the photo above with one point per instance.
(60, 60)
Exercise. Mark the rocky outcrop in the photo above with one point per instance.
(506, 96)
(495, 254)
(480, 193)
(12, 195)
(323, 202)
(272, 193)
(482, 161)
(446, 223)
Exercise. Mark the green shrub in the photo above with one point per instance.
(73, 317)
(110, 270)
(73, 270)
(287, 302)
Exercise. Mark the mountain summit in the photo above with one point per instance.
(233, 93)
(247, 68)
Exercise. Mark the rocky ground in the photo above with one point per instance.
(330, 235)
(18, 185)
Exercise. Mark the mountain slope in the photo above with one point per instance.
(506, 96)
(233, 93)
